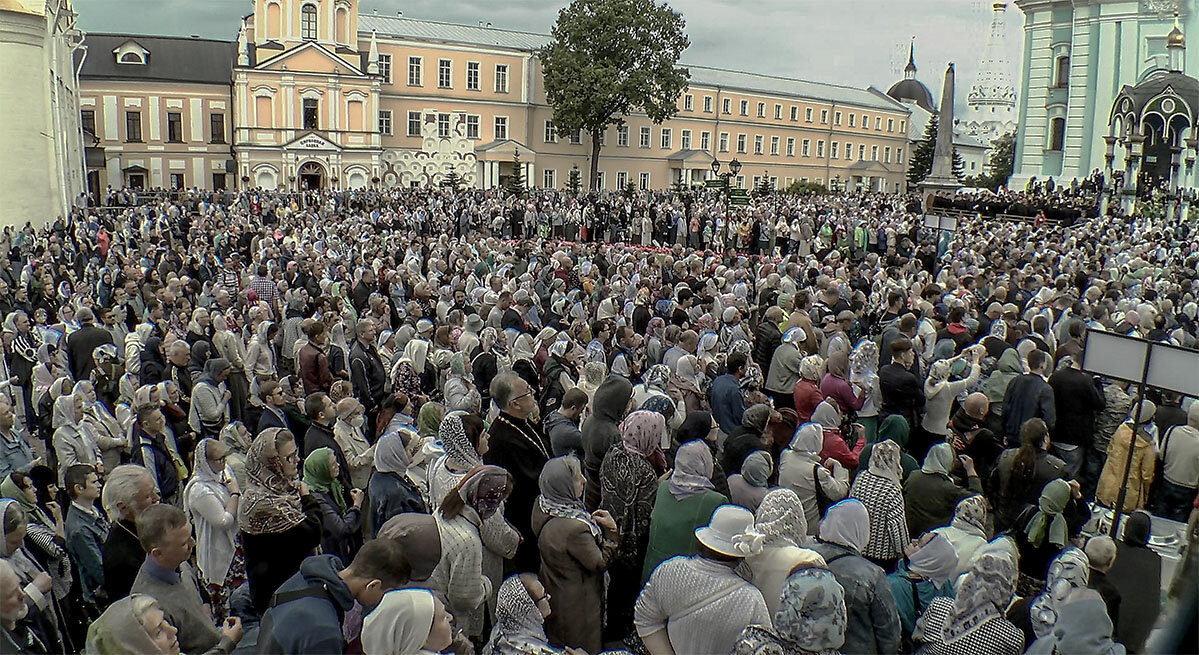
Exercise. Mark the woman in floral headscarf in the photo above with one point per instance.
(973, 620)
(967, 531)
(459, 574)
(520, 617)
(628, 483)
(1036, 615)
(780, 519)
(811, 618)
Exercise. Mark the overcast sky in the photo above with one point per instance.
(854, 42)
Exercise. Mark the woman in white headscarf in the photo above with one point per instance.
(780, 519)
(520, 618)
(879, 490)
(73, 440)
(407, 622)
(800, 470)
(409, 374)
(210, 499)
(104, 427)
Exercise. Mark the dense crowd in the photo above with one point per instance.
(431, 420)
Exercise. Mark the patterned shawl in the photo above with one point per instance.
(270, 503)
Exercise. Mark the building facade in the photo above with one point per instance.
(319, 96)
(41, 173)
(1078, 56)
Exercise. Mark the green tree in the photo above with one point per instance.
(921, 162)
(608, 58)
(764, 188)
(959, 166)
(800, 188)
(1001, 161)
(452, 180)
(516, 182)
(574, 183)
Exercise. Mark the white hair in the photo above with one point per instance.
(121, 486)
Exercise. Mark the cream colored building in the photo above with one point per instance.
(322, 96)
(41, 172)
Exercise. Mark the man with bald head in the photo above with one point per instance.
(971, 438)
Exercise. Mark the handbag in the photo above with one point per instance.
(822, 500)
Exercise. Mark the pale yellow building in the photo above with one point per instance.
(321, 96)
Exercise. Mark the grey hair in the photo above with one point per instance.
(1101, 551)
(142, 603)
(7, 571)
(120, 488)
(502, 388)
(179, 345)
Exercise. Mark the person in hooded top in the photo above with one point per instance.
(879, 490)
(784, 530)
(801, 470)
(576, 548)
(972, 621)
(967, 531)
(811, 618)
(926, 572)
(408, 622)
(893, 428)
(1082, 627)
(600, 431)
(1137, 567)
(930, 493)
(751, 485)
(873, 619)
(73, 441)
(390, 490)
(684, 502)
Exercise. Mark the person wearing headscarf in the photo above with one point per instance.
(459, 574)
(341, 508)
(837, 385)
(260, 361)
(892, 428)
(576, 548)
(522, 614)
(1143, 461)
(237, 442)
(391, 491)
(628, 481)
(926, 572)
(1043, 529)
(683, 503)
(407, 622)
(210, 499)
(280, 519)
(1036, 615)
(137, 625)
(746, 438)
(873, 619)
(1137, 567)
(807, 395)
(210, 399)
(1082, 626)
(863, 372)
(656, 384)
(103, 426)
(811, 618)
(749, 486)
(930, 494)
(687, 382)
(834, 444)
(73, 440)
(36, 583)
(973, 621)
(459, 389)
(200, 353)
(783, 371)
(229, 346)
(780, 521)
(940, 392)
(967, 531)
(349, 436)
(878, 487)
(601, 430)
(801, 470)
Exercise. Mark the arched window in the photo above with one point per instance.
(132, 58)
(308, 23)
(1057, 134)
(1062, 73)
(274, 21)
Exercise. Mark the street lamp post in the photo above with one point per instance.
(734, 168)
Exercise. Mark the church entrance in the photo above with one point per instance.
(312, 176)
(1156, 166)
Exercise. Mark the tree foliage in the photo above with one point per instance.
(1001, 161)
(452, 180)
(609, 58)
(516, 182)
(574, 183)
(800, 188)
(921, 162)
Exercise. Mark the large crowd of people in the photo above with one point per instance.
(433, 420)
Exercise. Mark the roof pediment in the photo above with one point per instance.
(311, 141)
(311, 57)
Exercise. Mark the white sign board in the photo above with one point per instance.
(1114, 356)
(1173, 368)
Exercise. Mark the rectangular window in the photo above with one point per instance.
(308, 23)
(177, 180)
(724, 142)
(761, 110)
(472, 126)
(758, 144)
(878, 123)
(501, 127)
(820, 148)
(622, 136)
(774, 145)
(311, 114)
(705, 141)
(551, 134)
(849, 150)
(547, 178)
(1062, 72)
(501, 78)
(774, 182)
(685, 139)
(414, 74)
(604, 139)
(1057, 133)
(599, 180)
(873, 153)
(807, 115)
(666, 138)
(472, 76)
(862, 153)
(806, 148)
(794, 113)
(445, 74)
(622, 180)
(778, 112)
(727, 106)
(852, 122)
(899, 155)
(890, 124)
(740, 182)
(644, 138)
(790, 146)
(745, 108)
(757, 180)
(688, 102)
(836, 118)
(414, 123)
(216, 125)
(174, 127)
(443, 126)
(865, 122)
(708, 104)
(903, 125)
(385, 68)
(824, 117)
(88, 119)
(741, 143)
(834, 149)
(384, 121)
(643, 181)
(576, 138)
(218, 181)
(887, 155)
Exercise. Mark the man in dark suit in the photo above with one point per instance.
(83, 341)
(273, 402)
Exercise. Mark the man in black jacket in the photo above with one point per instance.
(767, 338)
(1028, 396)
(517, 446)
(367, 373)
(319, 409)
(83, 341)
(1077, 400)
(902, 392)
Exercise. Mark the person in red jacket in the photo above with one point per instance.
(807, 391)
(834, 445)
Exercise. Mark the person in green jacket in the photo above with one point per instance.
(685, 502)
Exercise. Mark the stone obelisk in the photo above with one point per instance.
(942, 178)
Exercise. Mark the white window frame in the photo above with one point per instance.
(419, 121)
(445, 125)
(887, 155)
(622, 180)
(807, 115)
(834, 150)
(643, 181)
(445, 73)
(806, 148)
(758, 144)
(848, 150)
(873, 153)
(685, 139)
(667, 137)
(576, 137)
(774, 146)
(551, 133)
(475, 119)
(853, 119)
(385, 67)
(310, 32)
(688, 102)
(742, 143)
(794, 112)
(724, 142)
(705, 141)
(416, 66)
(899, 155)
(473, 69)
(500, 124)
(824, 117)
(622, 136)
(385, 122)
(820, 149)
(727, 106)
(644, 137)
(761, 110)
(778, 112)
(708, 104)
(744, 106)
(501, 78)
(837, 118)
(549, 177)
(790, 146)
